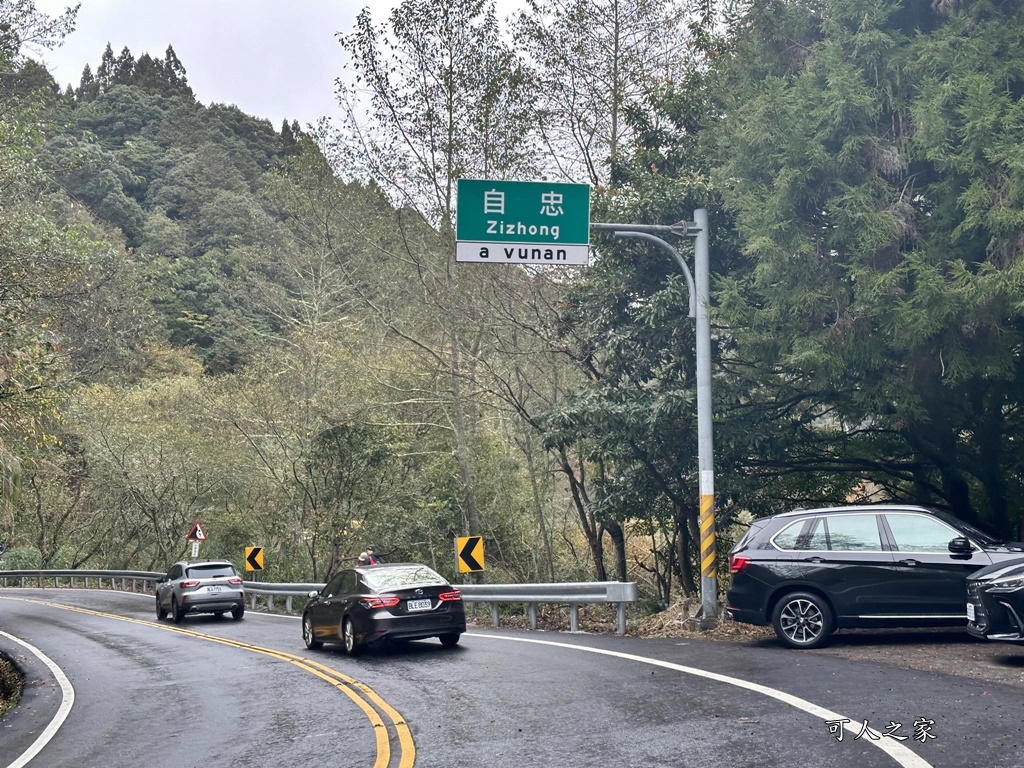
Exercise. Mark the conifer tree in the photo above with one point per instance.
(174, 70)
(105, 71)
(288, 139)
(123, 68)
(871, 156)
(88, 88)
(149, 74)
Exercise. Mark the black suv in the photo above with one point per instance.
(812, 571)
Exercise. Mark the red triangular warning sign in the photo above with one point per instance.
(197, 533)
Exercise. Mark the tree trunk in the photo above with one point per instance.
(683, 542)
(549, 564)
(619, 541)
(577, 486)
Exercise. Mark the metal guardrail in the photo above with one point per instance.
(573, 594)
(140, 580)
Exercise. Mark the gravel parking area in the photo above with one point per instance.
(952, 651)
(949, 650)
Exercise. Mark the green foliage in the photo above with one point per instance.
(872, 187)
(22, 559)
(284, 354)
(165, 76)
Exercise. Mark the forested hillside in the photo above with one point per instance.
(206, 316)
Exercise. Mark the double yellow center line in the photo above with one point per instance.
(368, 700)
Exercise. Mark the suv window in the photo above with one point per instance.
(854, 533)
(211, 571)
(175, 573)
(841, 532)
(791, 537)
(917, 533)
(803, 535)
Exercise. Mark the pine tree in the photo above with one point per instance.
(123, 68)
(288, 140)
(150, 76)
(88, 88)
(871, 157)
(174, 71)
(105, 71)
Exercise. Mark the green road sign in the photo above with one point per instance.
(522, 222)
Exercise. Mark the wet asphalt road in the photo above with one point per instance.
(147, 695)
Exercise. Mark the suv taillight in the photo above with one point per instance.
(190, 583)
(386, 601)
(447, 597)
(235, 581)
(737, 563)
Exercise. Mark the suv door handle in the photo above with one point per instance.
(911, 562)
(814, 559)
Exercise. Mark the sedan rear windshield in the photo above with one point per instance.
(402, 576)
(210, 571)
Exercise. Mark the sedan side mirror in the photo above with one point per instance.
(313, 594)
(961, 545)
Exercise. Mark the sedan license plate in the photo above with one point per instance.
(418, 605)
(970, 611)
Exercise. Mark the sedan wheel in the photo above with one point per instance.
(348, 635)
(803, 620)
(307, 633)
(450, 640)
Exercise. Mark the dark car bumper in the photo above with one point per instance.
(389, 627)
(745, 616)
(998, 616)
(222, 602)
(746, 600)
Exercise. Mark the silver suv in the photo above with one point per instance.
(201, 586)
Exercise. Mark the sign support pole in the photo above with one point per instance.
(705, 444)
(699, 284)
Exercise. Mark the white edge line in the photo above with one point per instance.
(903, 756)
(906, 758)
(68, 701)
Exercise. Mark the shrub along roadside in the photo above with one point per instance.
(11, 683)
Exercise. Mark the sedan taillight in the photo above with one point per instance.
(190, 583)
(384, 601)
(447, 597)
(737, 563)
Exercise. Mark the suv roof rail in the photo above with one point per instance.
(856, 508)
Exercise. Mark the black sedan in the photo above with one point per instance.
(374, 603)
(995, 602)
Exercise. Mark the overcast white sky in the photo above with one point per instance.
(275, 59)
